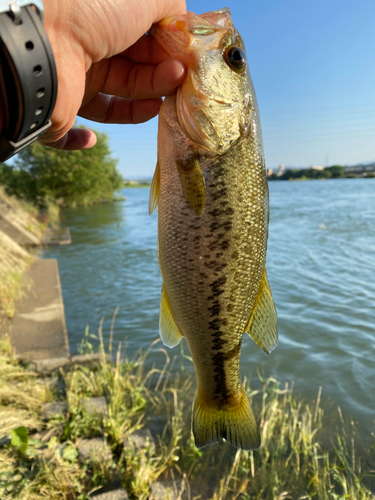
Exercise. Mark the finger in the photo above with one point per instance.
(111, 109)
(167, 8)
(76, 138)
(146, 50)
(143, 81)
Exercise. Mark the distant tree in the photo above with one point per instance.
(336, 170)
(288, 174)
(40, 174)
(306, 173)
(325, 174)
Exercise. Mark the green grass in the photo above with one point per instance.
(295, 460)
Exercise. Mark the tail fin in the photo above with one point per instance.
(234, 423)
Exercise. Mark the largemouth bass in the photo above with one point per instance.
(211, 191)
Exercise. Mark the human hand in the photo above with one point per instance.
(108, 70)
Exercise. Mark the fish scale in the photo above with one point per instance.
(212, 236)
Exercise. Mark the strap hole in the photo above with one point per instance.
(29, 45)
(33, 125)
(40, 93)
(37, 70)
(38, 111)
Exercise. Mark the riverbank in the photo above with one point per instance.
(320, 173)
(306, 178)
(136, 184)
(31, 304)
(14, 259)
(56, 428)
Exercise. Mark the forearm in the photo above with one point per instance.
(107, 69)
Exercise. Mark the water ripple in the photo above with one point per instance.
(320, 265)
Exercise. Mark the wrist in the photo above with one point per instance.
(28, 76)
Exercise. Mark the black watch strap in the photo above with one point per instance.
(28, 79)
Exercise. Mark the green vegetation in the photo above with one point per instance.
(292, 462)
(136, 184)
(334, 172)
(69, 178)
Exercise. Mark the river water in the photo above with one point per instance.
(321, 268)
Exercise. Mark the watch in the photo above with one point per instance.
(28, 78)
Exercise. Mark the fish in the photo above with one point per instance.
(211, 193)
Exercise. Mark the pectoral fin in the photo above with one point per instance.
(153, 202)
(169, 332)
(192, 183)
(262, 325)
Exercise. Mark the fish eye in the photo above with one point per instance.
(235, 57)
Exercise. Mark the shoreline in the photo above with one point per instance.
(74, 437)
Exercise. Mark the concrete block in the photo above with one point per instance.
(95, 449)
(96, 406)
(119, 494)
(15, 231)
(57, 385)
(66, 363)
(49, 365)
(57, 236)
(13, 247)
(38, 329)
(168, 490)
(89, 360)
(140, 439)
(54, 409)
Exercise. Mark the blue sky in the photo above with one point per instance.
(313, 67)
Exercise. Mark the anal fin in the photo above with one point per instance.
(262, 324)
(169, 332)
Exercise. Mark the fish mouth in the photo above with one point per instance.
(187, 37)
(177, 35)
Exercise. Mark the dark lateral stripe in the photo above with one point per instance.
(219, 357)
(235, 352)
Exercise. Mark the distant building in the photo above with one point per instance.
(281, 170)
(269, 172)
(361, 168)
(315, 167)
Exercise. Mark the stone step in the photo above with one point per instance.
(17, 232)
